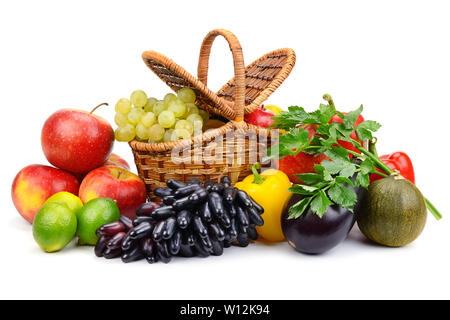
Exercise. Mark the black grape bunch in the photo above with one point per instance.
(193, 219)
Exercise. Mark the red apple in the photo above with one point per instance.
(261, 117)
(116, 161)
(113, 161)
(77, 141)
(34, 184)
(126, 188)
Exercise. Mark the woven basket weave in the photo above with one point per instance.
(250, 86)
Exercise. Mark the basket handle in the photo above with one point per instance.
(239, 67)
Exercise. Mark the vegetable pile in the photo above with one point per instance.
(331, 141)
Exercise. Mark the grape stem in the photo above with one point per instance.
(101, 104)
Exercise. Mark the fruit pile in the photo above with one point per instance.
(151, 120)
(88, 187)
(193, 220)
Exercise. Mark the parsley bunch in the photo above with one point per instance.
(329, 185)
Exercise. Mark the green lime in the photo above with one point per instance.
(92, 216)
(72, 201)
(54, 226)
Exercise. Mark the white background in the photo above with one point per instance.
(391, 56)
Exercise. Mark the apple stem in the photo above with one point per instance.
(101, 104)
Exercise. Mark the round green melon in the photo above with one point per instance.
(393, 213)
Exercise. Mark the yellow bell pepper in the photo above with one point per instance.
(270, 190)
(275, 109)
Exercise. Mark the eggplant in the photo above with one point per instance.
(313, 235)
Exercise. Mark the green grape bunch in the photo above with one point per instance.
(148, 119)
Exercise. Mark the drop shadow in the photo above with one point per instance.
(356, 236)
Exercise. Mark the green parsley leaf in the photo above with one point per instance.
(362, 180)
(320, 203)
(310, 178)
(365, 129)
(338, 153)
(344, 180)
(288, 120)
(326, 113)
(348, 171)
(290, 144)
(326, 176)
(367, 166)
(297, 209)
(343, 196)
(333, 167)
(351, 117)
(303, 189)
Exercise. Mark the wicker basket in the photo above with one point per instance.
(248, 89)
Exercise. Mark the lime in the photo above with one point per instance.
(93, 215)
(54, 226)
(72, 201)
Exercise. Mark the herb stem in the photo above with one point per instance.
(380, 174)
(433, 209)
(380, 164)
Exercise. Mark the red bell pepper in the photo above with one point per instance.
(397, 161)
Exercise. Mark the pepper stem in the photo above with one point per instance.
(372, 146)
(101, 104)
(328, 99)
(257, 177)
